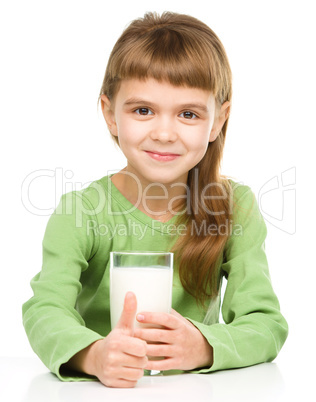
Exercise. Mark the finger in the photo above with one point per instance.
(176, 314)
(124, 376)
(133, 346)
(154, 335)
(161, 365)
(127, 318)
(124, 379)
(131, 373)
(135, 362)
(138, 349)
(166, 320)
(118, 383)
(159, 351)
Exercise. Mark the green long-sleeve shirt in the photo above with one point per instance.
(70, 308)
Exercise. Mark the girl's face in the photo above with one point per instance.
(163, 130)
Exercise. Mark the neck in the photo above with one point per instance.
(160, 201)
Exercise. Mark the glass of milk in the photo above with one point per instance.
(148, 275)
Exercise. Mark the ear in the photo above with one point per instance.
(219, 121)
(108, 114)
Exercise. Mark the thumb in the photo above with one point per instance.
(127, 318)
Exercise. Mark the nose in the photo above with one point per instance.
(164, 130)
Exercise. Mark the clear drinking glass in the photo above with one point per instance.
(148, 275)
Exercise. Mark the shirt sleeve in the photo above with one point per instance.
(56, 331)
(254, 329)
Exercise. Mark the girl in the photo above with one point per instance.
(166, 98)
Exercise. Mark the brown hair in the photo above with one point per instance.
(184, 51)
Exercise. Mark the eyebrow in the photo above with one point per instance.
(140, 101)
(137, 101)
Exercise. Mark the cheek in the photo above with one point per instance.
(198, 140)
(129, 131)
(199, 154)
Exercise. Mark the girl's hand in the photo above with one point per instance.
(181, 344)
(119, 359)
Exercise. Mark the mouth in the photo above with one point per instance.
(162, 156)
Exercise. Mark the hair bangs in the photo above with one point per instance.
(182, 58)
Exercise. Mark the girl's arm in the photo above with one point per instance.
(55, 329)
(254, 329)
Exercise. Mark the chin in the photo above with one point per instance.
(167, 179)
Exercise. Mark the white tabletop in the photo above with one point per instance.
(28, 380)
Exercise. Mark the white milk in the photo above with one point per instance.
(152, 287)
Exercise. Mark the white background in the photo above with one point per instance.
(54, 55)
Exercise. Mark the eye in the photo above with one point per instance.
(143, 111)
(188, 115)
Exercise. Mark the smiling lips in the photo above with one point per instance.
(162, 156)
